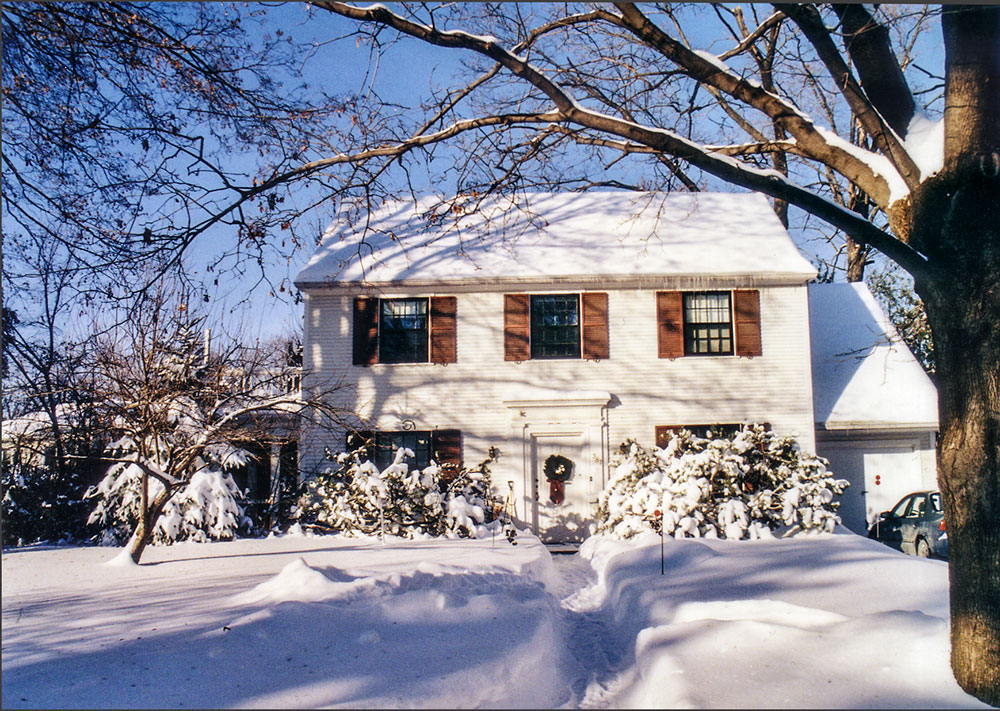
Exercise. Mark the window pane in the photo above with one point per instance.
(708, 326)
(387, 443)
(403, 331)
(555, 326)
(901, 507)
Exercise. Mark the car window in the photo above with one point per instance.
(936, 504)
(918, 507)
(900, 509)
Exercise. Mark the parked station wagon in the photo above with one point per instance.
(915, 525)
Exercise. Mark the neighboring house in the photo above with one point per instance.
(268, 478)
(564, 326)
(876, 409)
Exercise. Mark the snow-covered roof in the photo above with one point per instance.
(38, 423)
(562, 237)
(864, 376)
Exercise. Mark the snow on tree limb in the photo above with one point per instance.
(808, 19)
(810, 139)
(712, 71)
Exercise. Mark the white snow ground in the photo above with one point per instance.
(831, 620)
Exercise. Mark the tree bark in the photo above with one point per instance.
(144, 529)
(957, 217)
(956, 223)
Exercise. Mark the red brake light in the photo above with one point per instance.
(941, 525)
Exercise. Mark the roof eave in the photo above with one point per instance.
(645, 281)
(875, 425)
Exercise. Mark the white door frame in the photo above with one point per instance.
(543, 412)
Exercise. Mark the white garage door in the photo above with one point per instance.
(896, 466)
(890, 474)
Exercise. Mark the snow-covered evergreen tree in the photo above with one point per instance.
(743, 486)
(40, 505)
(206, 508)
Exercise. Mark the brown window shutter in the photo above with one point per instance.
(663, 433)
(746, 305)
(516, 327)
(670, 324)
(365, 330)
(443, 343)
(446, 446)
(595, 325)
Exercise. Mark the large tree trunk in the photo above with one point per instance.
(957, 218)
(956, 224)
(964, 317)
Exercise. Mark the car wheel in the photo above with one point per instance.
(923, 550)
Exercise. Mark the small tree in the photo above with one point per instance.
(181, 413)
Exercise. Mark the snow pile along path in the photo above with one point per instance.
(831, 621)
(289, 622)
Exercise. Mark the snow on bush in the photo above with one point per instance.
(743, 486)
(207, 508)
(357, 499)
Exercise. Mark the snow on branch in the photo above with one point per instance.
(810, 141)
(809, 21)
(710, 70)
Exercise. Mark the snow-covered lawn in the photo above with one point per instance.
(831, 620)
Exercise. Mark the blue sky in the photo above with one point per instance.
(345, 67)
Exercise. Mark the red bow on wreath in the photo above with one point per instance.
(558, 469)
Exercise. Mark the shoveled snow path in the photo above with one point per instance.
(589, 632)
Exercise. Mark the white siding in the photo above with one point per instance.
(646, 390)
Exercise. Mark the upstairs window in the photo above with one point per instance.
(409, 330)
(403, 331)
(555, 326)
(708, 323)
(547, 326)
(708, 328)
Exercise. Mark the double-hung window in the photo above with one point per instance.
(405, 330)
(708, 323)
(555, 326)
(380, 446)
(549, 326)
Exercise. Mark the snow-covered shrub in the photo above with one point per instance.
(356, 498)
(40, 505)
(742, 486)
(207, 508)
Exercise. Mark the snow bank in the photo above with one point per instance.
(285, 622)
(831, 620)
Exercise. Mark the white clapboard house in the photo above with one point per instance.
(563, 325)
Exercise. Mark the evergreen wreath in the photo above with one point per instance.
(557, 467)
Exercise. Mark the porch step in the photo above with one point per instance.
(562, 548)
